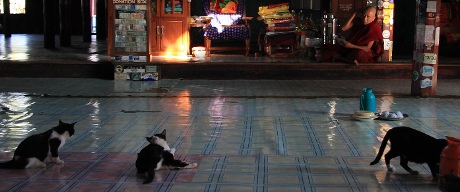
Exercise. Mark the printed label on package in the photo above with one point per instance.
(431, 6)
(429, 58)
(425, 83)
(387, 44)
(386, 34)
(119, 69)
(130, 1)
(151, 68)
(427, 71)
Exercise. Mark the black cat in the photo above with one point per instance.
(156, 154)
(34, 149)
(412, 145)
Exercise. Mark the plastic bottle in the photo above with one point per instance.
(449, 164)
(367, 100)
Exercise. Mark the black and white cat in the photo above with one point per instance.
(34, 149)
(412, 145)
(156, 154)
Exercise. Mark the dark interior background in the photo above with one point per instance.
(404, 23)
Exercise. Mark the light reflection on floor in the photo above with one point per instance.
(14, 116)
(244, 135)
(18, 48)
(20, 51)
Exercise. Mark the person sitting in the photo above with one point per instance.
(364, 45)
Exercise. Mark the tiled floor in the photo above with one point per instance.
(259, 136)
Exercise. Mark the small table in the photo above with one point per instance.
(199, 26)
(281, 44)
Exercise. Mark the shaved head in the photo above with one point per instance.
(369, 14)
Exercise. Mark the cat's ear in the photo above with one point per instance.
(148, 139)
(74, 123)
(60, 122)
(164, 133)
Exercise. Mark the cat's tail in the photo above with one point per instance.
(381, 149)
(175, 163)
(8, 165)
(178, 164)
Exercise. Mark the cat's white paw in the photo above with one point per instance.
(172, 151)
(35, 163)
(390, 168)
(42, 165)
(57, 160)
(191, 166)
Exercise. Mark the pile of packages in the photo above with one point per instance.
(277, 18)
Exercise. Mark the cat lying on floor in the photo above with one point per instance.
(34, 149)
(156, 154)
(412, 145)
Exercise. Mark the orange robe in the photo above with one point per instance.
(360, 35)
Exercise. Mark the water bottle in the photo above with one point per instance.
(367, 100)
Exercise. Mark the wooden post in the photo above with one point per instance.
(385, 18)
(425, 64)
(86, 20)
(6, 19)
(66, 23)
(48, 20)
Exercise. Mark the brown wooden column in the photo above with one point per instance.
(66, 22)
(385, 18)
(6, 19)
(86, 20)
(48, 20)
(425, 65)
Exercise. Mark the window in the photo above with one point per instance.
(16, 6)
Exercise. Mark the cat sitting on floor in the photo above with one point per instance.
(34, 149)
(412, 145)
(156, 154)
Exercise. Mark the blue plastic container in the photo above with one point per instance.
(367, 100)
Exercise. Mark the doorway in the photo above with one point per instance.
(93, 17)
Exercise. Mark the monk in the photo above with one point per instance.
(364, 45)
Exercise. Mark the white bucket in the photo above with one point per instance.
(199, 52)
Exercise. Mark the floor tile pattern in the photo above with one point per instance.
(243, 139)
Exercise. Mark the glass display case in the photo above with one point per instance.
(128, 31)
(148, 28)
(173, 7)
(130, 28)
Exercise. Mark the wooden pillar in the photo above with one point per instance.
(425, 64)
(6, 19)
(86, 20)
(101, 19)
(48, 20)
(385, 17)
(66, 23)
